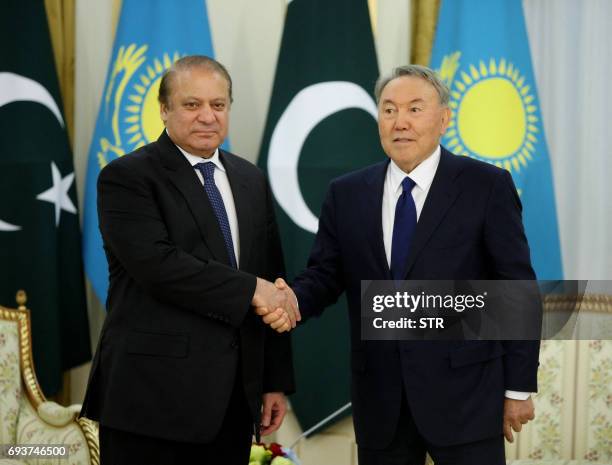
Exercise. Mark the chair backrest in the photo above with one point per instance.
(573, 404)
(10, 374)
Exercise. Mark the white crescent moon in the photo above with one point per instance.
(16, 88)
(308, 108)
(4, 226)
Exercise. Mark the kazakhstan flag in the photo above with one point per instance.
(151, 35)
(482, 52)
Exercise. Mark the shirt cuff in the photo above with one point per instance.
(517, 395)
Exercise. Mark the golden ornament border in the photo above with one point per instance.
(594, 303)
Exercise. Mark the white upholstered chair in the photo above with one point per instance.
(26, 417)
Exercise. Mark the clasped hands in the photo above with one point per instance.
(276, 304)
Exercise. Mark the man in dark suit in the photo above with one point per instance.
(184, 366)
(425, 214)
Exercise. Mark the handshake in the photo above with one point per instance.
(277, 304)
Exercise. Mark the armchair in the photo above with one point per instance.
(26, 416)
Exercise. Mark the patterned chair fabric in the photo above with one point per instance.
(26, 417)
(546, 462)
(573, 406)
(10, 381)
(573, 424)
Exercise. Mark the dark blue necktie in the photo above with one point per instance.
(208, 169)
(403, 230)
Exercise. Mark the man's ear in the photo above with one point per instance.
(163, 112)
(446, 116)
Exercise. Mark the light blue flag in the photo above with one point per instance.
(482, 52)
(151, 35)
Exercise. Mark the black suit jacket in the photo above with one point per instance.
(179, 323)
(470, 228)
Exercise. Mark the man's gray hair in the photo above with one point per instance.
(186, 63)
(419, 71)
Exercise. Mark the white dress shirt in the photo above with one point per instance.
(225, 190)
(422, 176)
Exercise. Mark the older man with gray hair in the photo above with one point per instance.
(424, 214)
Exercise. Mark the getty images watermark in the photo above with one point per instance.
(486, 310)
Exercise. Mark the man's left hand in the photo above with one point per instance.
(273, 411)
(516, 414)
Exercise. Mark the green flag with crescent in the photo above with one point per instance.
(321, 124)
(39, 224)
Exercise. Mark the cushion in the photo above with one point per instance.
(33, 430)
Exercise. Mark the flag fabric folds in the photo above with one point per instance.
(321, 124)
(39, 224)
(151, 35)
(482, 52)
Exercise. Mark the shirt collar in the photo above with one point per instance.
(194, 159)
(422, 175)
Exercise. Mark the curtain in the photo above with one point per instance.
(571, 57)
(424, 20)
(60, 15)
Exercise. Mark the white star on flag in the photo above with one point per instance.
(58, 193)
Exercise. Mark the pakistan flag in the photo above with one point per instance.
(39, 223)
(321, 124)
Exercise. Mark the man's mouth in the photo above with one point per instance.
(205, 133)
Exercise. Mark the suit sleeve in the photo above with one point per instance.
(321, 283)
(508, 252)
(278, 358)
(136, 238)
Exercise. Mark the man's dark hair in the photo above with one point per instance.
(187, 63)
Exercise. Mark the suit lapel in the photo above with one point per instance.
(186, 181)
(372, 214)
(240, 192)
(442, 194)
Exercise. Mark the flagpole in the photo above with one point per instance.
(318, 425)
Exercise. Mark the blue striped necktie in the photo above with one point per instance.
(404, 225)
(208, 169)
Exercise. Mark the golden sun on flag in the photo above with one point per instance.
(143, 125)
(493, 115)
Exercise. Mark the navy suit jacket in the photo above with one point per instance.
(470, 228)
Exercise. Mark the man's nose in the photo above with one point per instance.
(402, 122)
(206, 114)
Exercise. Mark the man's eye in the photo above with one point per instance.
(219, 106)
(191, 105)
(388, 111)
(416, 109)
